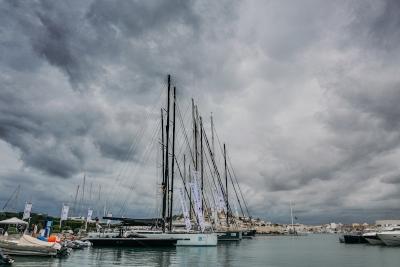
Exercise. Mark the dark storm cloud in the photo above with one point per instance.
(312, 87)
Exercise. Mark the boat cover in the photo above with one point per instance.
(27, 240)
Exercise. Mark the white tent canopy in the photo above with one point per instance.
(13, 220)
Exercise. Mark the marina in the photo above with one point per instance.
(311, 251)
(200, 133)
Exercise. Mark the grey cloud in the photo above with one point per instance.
(305, 94)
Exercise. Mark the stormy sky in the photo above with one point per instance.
(306, 95)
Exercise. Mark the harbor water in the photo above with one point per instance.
(275, 251)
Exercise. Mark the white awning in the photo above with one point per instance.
(13, 220)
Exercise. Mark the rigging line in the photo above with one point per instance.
(217, 173)
(135, 171)
(185, 134)
(136, 141)
(146, 155)
(137, 138)
(230, 163)
(234, 189)
(240, 190)
(211, 171)
(184, 186)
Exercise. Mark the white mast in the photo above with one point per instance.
(291, 214)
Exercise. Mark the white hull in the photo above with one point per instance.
(374, 241)
(372, 238)
(11, 248)
(29, 246)
(188, 239)
(390, 238)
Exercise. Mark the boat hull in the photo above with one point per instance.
(248, 233)
(188, 239)
(230, 236)
(373, 238)
(132, 242)
(390, 239)
(12, 249)
(354, 239)
(374, 241)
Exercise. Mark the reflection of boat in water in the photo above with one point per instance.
(30, 246)
(5, 259)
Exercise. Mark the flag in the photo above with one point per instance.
(89, 215)
(64, 213)
(27, 211)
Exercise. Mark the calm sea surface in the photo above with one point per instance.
(310, 251)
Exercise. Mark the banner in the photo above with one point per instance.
(89, 215)
(64, 213)
(196, 181)
(184, 209)
(27, 211)
(197, 204)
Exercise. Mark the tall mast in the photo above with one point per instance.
(166, 180)
(164, 199)
(98, 201)
(212, 135)
(172, 163)
(291, 215)
(194, 134)
(201, 165)
(190, 196)
(226, 188)
(83, 194)
(75, 199)
(184, 169)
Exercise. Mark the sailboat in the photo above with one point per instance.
(188, 237)
(292, 230)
